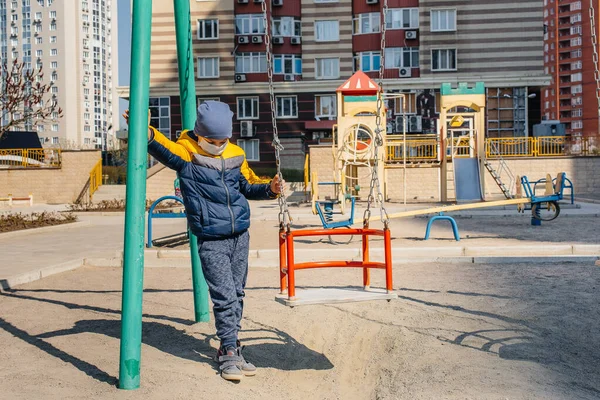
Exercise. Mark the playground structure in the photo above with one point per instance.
(359, 138)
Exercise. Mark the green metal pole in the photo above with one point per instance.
(133, 258)
(187, 94)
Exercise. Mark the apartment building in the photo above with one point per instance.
(568, 58)
(318, 44)
(76, 44)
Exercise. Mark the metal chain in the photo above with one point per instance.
(378, 139)
(285, 218)
(595, 55)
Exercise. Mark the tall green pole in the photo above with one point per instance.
(133, 258)
(187, 94)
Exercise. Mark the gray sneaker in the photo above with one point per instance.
(248, 369)
(229, 361)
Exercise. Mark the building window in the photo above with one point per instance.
(325, 106)
(576, 18)
(55, 138)
(287, 26)
(576, 77)
(38, 40)
(208, 29)
(208, 67)
(576, 41)
(54, 64)
(287, 64)
(54, 52)
(54, 89)
(576, 89)
(402, 57)
(247, 108)
(52, 14)
(54, 128)
(53, 26)
(86, 128)
(443, 60)
(87, 140)
(576, 30)
(327, 31)
(577, 124)
(203, 99)
(251, 147)
(249, 24)
(287, 107)
(577, 101)
(160, 114)
(402, 18)
(366, 23)
(576, 53)
(53, 39)
(250, 62)
(39, 53)
(577, 113)
(367, 61)
(443, 20)
(327, 68)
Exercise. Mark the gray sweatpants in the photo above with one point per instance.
(225, 267)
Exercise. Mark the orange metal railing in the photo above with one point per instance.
(288, 265)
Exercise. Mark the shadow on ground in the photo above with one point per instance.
(268, 347)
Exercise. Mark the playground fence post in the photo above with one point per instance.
(187, 94)
(133, 257)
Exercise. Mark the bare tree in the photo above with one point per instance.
(25, 99)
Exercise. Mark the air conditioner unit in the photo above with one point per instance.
(277, 40)
(288, 77)
(409, 35)
(296, 40)
(401, 125)
(243, 39)
(372, 1)
(277, 2)
(240, 77)
(246, 129)
(404, 72)
(257, 39)
(415, 123)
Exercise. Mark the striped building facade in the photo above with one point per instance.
(318, 44)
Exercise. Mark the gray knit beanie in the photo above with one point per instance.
(214, 120)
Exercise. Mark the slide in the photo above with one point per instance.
(467, 179)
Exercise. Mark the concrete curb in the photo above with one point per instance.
(46, 229)
(579, 253)
(32, 276)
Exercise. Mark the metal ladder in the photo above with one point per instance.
(502, 169)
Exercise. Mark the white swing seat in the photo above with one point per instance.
(334, 295)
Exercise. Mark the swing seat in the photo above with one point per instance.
(288, 267)
(327, 212)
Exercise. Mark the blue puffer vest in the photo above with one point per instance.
(215, 189)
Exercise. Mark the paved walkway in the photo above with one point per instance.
(103, 236)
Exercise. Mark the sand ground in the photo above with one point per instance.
(456, 331)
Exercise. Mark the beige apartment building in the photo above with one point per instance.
(318, 44)
(75, 42)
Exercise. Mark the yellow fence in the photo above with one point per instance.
(416, 150)
(30, 158)
(95, 178)
(541, 146)
(425, 149)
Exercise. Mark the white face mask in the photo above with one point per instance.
(211, 148)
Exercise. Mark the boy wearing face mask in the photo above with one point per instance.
(215, 182)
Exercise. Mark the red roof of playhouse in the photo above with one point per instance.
(359, 84)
